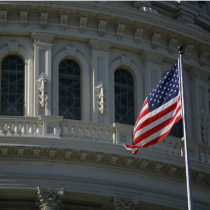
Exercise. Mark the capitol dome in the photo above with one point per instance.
(74, 76)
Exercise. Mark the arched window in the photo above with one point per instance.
(12, 86)
(69, 90)
(124, 97)
(177, 130)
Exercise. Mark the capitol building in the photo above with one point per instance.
(73, 78)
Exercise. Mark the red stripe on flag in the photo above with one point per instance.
(157, 116)
(156, 128)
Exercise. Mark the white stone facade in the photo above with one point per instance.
(82, 164)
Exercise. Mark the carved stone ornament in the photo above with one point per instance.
(100, 45)
(195, 72)
(155, 39)
(128, 161)
(152, 57)
(120, 30)
(42, 38)
(49, 199)
(172, 44)
(203, 56)
(113, 159)
(23, 18)
(42, 82)
(98, 157)
(4, 151)
(3, 17)
(124, 203)
(102, 27)
(36, 152)
(101, 97)
(71, 50)
(204, 126)
(157, 167)
(125, 60)
(143, 164)
(83, 155)
(13, 46)
(52, 153)
(171, 170)
(188, 49)
(82, 24)
(20, 151)
(68, 153)
(138, 33)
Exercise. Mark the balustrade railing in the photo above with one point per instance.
(97, 132)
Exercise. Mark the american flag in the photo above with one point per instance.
(160, 111)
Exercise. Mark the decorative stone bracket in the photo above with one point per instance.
(101, 97)
(42, 82)
(49, 199)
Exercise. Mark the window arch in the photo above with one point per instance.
(124, 97)
(12, 86)
(69, 90)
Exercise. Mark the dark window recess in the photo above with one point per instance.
(124, 97)
(177, 129)
(12, 86)
(69, 90)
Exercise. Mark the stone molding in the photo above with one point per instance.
(152, 57)
(42, 38)
(111, 162)
(49, 199)
(124, 203)
(195, 72)
(99, 45)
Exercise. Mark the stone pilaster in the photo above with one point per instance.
(124, 203)
(42, 72)
(49, 199)
(152, 63)
(100, 79)
(200, 104)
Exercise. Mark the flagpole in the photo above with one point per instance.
(184, 118)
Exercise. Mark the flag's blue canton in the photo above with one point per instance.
(166, 89)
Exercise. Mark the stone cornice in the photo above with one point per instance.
(42, 38)
(111, 162)
(99, 45)
(195, 72)
(152, 57)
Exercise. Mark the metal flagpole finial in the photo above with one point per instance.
(180, 48)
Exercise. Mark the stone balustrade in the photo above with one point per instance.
(58, 128)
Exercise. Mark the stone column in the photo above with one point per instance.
(42, 72)
(49, 199)
(124, 203)
(152, 63)
(100, 79)
(200, 104)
